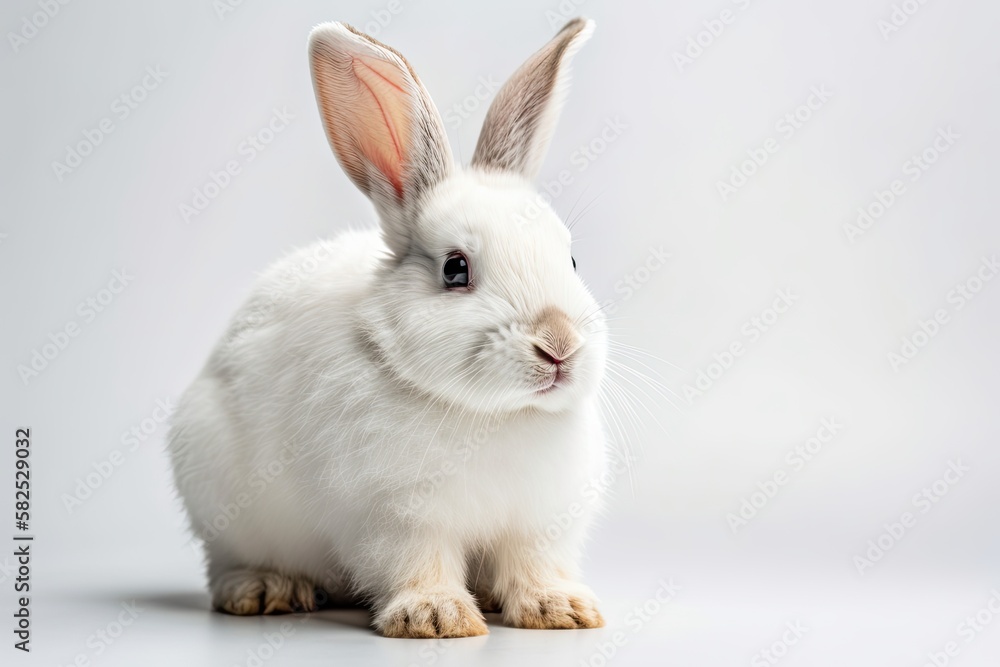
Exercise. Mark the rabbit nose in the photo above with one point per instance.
(547, 356)
(555, 338)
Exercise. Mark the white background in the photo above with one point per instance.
(685, 128)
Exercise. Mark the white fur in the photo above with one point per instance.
(363, 429)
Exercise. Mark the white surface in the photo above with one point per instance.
(721, 615)
(653, 186)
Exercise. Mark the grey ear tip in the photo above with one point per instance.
(322, 30)
(327, 26)
(579, 24)
(333, 31)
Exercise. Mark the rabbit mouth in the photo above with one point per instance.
(553, 382)
(547, 389)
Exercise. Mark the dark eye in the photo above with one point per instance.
(456, 271)
(574, 263)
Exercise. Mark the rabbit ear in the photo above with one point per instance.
(380, 121)
(520, 121)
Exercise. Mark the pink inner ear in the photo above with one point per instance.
(382, 116)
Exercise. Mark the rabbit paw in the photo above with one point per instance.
(553, 608)
(431, 614)
(250, 592)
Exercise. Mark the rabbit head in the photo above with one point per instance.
(477, 300)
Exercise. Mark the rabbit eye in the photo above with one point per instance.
(574, 262)
(456, 271)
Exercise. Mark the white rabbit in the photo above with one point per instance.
(408, 417)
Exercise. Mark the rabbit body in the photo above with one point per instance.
(363, 431)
